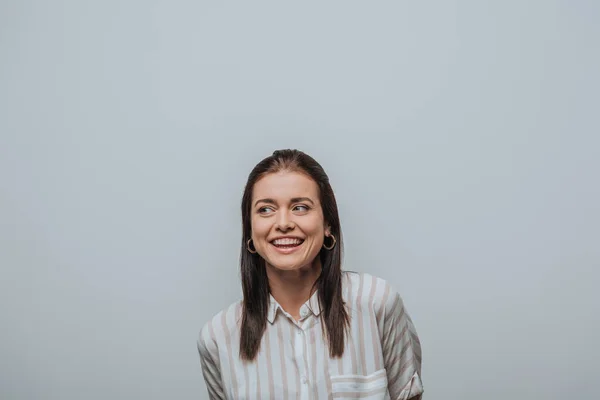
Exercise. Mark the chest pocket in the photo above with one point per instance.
(372, 387)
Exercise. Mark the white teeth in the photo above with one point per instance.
(286, 241)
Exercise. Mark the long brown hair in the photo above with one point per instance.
(255, 284)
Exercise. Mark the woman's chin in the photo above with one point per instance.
(289, 266)
(285, 267)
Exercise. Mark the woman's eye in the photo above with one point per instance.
(265, 210)
(301, 208)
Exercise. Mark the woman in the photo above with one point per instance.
(305, 329)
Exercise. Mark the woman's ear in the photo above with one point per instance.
(327, 230)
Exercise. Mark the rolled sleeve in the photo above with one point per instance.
(401, 351)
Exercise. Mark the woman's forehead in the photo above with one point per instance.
(284, 185)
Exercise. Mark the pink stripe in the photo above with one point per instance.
(391, 312)
(313, 361)
(326, 360)
(282, 358)
(361, 328)
(408, 363)
(227, 334)
(340, 362)
(305, 354)
(247, 378)
(373, 327)
(258, 392)
(269, 362)
(297, 374)
(351, 336)
(386, 294)
(212, 336)
(215, 380)
(397, 341)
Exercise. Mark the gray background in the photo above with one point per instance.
(461, 138)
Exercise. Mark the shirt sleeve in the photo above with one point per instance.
(209, 359)
(401, 351)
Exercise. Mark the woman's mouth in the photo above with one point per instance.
(287, 245)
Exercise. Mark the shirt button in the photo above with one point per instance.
(303, 311)
(304, 380)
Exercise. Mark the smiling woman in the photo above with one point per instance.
(288, 228)
(305, 328)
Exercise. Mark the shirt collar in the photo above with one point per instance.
(312, 304)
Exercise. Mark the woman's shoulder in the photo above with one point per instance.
(221, 325)
(368, 290)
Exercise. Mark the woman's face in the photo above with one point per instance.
(288, 227)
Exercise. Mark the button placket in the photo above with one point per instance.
(302, 362)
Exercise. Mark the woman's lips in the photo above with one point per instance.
(287, 249)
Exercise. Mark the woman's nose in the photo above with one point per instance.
(284, 222)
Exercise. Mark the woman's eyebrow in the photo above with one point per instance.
(292, 200)
(268, 201)
(301, 199)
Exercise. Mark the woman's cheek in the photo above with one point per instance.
(260, 230)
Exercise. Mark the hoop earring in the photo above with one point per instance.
(248, 247)
(332, 245)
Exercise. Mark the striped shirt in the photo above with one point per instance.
(381, 360)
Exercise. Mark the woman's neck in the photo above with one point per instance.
(293, 288)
